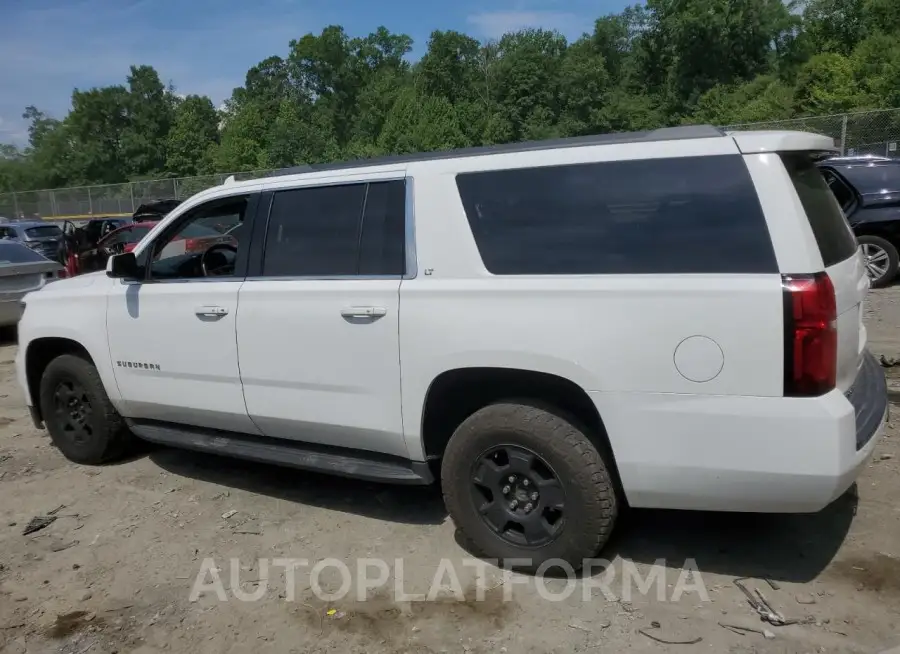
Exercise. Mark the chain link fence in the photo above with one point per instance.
(107, 199)
(870, 132)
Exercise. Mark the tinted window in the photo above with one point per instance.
(842, 192)
(314, 231)
(15, 253)
(199, 231)
(877, 178)
(833, 235)
(382, 242)
(686, 215)
(43, 231)
(132, 235)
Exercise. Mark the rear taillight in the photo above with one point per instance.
(193, 244)
(810, 335)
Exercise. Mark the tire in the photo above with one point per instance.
(98, 433)
(880, 248)
(508, 431)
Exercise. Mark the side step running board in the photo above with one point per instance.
(305, 456)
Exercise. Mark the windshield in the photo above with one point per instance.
(16, 253)
(44, 231)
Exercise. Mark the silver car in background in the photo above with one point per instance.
(22, 270)
(42, 237)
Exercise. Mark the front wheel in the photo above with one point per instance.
(881, 259)
(81, 420)
(523, 482)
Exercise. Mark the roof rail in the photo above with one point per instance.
(663, 134)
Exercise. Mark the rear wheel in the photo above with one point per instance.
(881, 259)
(523, 482)
(81, 420)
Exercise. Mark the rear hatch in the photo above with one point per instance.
(842, 261)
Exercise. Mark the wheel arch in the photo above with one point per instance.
(38, 355)
(456, 394)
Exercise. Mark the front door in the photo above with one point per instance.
(318, 321)
(172, 334)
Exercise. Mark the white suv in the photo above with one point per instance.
(664, 319)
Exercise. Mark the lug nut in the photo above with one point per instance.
(528, 507)
(511, 479)
(506, 490)
(534, 496)
(513, 504)
(524, 482)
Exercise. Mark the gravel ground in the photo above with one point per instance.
(115, 571)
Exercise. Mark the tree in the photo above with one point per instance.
(192, 137)
(419, 123)
(98, 122)
(336, 96)
(693, 45)
(150, 109)
(826, 85)
(833, 25)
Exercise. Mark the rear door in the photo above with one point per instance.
(318, 317)
(840, 258)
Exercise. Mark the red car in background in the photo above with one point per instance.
(193, 238)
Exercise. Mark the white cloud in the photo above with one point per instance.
(494, 24)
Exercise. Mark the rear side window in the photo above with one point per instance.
(874, 178)
(833, 234)
(684, 215)
(344, 230)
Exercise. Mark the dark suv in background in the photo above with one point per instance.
(868, 189)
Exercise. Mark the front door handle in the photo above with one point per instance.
(211, 312)
(363, 312)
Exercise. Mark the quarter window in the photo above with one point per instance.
(684, 215)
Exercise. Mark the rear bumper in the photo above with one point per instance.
(752, 454)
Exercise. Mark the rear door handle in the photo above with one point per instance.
(363, 312)
(211, 312)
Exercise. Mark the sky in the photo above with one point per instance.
(49, 47)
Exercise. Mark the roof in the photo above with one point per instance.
(663, 134)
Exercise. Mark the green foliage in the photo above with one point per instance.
(190, 142)
(335, 96)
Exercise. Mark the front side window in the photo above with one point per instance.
(192, 249)
(341, 230)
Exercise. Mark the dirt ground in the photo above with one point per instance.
(115, 571)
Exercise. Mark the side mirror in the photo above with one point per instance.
(123, 266)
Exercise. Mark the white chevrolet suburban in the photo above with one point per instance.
(555, 329)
